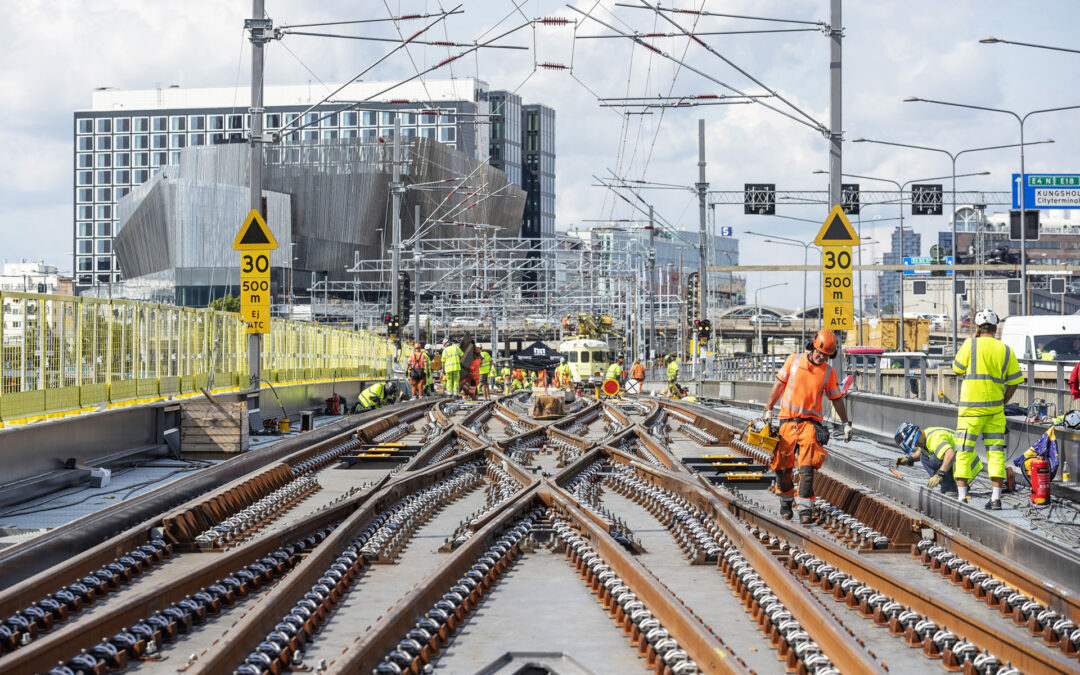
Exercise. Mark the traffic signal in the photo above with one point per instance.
(704, 327)
(404, 297)
(692, 292)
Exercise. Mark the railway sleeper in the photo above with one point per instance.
(423, 643)
(145, 639)
(936, 642)
(1055, 629)
(40, 617)
(645, 632)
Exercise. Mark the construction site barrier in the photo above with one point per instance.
(62, 355)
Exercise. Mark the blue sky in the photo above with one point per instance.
(59, 51)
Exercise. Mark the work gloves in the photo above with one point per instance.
(934, 480)
(847, 431)
(906, 461)
(767, 416)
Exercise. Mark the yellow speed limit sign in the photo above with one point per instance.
(255, 242)
(839, 296)
(255, 290)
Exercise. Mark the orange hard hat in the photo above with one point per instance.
(825, 342)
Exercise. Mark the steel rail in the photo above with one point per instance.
(22, 590)
(1003, 644)
(1021, 653)
(67, 640)
(708, 651)
(834, 640)
(245, 636)
(1053, 595)
(370, 646)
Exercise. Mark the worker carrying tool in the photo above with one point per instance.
(991, 375)
(672, 375)
(376, 396)
(418, 367)
(800, 384)
(451, 363)
(637, 378)
(935, 448)
(485, 373)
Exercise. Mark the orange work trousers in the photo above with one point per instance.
(801, 435)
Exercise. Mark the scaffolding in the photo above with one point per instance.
(525, 286)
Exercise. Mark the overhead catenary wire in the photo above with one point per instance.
(406, 17)
(703, 12)
(813, 124)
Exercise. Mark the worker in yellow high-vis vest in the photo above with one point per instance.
(485, 373)
(991, 375)
(451, 363)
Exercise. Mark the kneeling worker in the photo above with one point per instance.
(376, 396)
(916, 445)
(800, 384)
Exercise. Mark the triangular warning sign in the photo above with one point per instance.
(254, 235)
(837, 230)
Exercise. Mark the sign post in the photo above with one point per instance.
(836, 238)
(255, 241)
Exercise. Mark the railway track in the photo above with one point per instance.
(454, 536)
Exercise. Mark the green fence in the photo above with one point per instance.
(63, 354)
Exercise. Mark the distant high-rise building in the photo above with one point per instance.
(538, 176)
(128, 136)
(890, 281)
(505, 134)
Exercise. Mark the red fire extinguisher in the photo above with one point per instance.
(1040, 481)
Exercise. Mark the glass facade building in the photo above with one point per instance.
(127, 137)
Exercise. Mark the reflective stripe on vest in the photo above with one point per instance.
(939, 440)
(788, 408)
(982, 391)
(451, 359)
(373, 394)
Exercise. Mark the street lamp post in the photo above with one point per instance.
(757, 313)
(1021, 119)
(806, 248)
(953, 156)
(900, 188)
(990, 40)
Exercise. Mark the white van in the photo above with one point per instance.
(1033, 337)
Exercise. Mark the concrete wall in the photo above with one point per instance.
(34, 455)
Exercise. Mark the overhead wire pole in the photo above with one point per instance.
(703, 265)
(259, 27)
(836, 127)
(651, 342)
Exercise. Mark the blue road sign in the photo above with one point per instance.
(725, 231)
(924, 261)
(1048, 191)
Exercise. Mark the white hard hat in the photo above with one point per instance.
(986, 317)
(427, 346)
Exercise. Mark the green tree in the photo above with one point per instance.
(228, 303)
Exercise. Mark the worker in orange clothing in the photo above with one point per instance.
(800, 384)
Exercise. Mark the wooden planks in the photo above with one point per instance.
(213, 426)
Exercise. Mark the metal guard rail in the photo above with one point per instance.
(1045, 382)
(61, 355)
